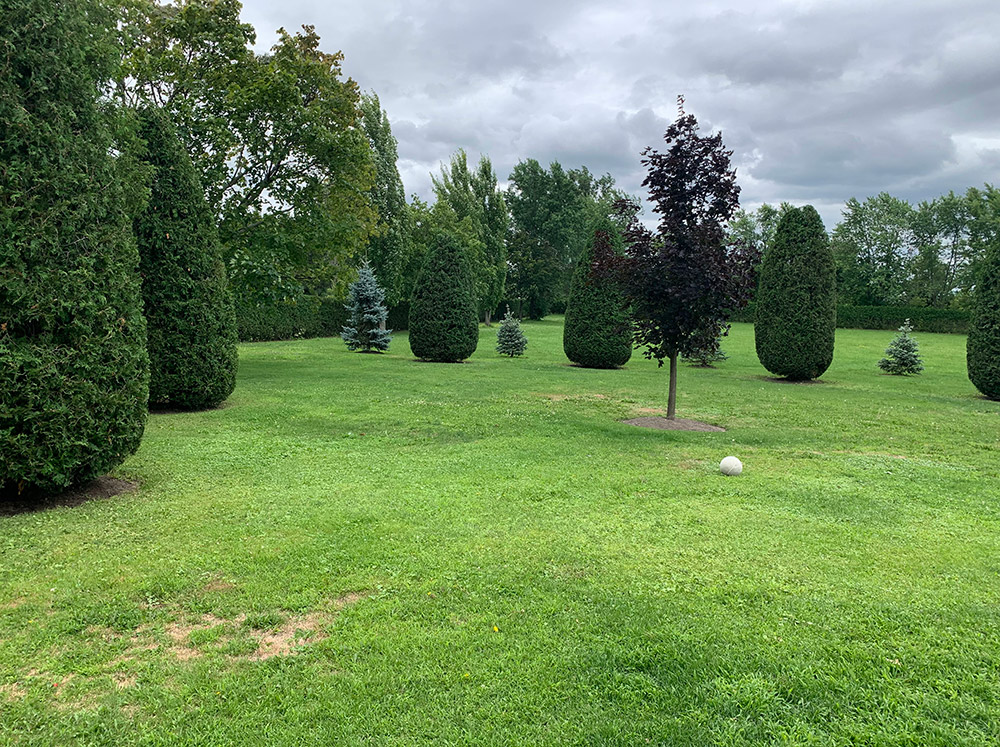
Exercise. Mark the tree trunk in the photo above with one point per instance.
(488, 317)
(381, 325)
(672, 396)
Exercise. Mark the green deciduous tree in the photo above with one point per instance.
(796, 312)
(74, 373)
(443, 321)
(598, 332)
(276, 138)
(477, 204)
(388, 248)
(873, 245)
(189, 311)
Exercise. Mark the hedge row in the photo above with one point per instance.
(923, 319)
(308, 316)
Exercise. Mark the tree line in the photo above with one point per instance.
(891, 253)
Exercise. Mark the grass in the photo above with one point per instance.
(365, 548)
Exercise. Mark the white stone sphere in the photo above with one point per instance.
(731, 466)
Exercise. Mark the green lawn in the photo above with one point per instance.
(362, 548)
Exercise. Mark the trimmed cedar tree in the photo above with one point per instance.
(796, 314)
(444, 319)
(597, 332)
(74, 374)
(983, 345)
(189, 310)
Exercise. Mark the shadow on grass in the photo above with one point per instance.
(101, 488)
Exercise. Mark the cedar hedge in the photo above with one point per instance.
(922, 318)
(74, 374)
(796, 312)
(444, 318)
(983, 345)
(189, 311)
(597, 331)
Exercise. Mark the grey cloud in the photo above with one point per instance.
(818, 101)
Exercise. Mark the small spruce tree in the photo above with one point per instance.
(510, 339)
(983, 344)
(444, 318)
(902, 356)
(189, 310)
(705, 351)
(597, 332)
(367, 314)
(796, 314)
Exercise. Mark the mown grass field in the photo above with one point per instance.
(370, 549)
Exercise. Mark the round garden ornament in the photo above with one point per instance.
(731, 466)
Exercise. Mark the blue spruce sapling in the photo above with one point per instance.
(510, 339)
(366, 314)
(902, 356)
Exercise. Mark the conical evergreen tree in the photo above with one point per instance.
(510, 339)
(983, 345)
(597, 331)
(189, 310)
(74, 374)
(796, 312)
(902, 357)
(444, 324)
(367, 314)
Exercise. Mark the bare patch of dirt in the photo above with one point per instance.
(650, 411)
(678, 424)
(124, 681)
(284, 640)
(12, 604)
(578, 397)
(217, 585)
(98, 489)
(12, 692)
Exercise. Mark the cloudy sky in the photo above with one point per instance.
(819, 101)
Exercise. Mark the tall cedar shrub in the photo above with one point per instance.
(796, 310)
(983, 345)
(367, 314)
(189, 310)
(444, 319)
(597, 332)
(74, 374)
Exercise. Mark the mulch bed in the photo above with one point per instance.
(677, 424)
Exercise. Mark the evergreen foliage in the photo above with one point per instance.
(597, 331)
(189, 310)
(706, 353)
(902, 355)
(796, 308)
(444, 323)
(74, 373)
(510, 339)
(366, 314)
(983, 345)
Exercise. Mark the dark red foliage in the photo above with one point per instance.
(685, 281)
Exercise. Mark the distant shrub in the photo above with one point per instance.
(189, 311)
(902, 357)
(597, 331)
(796, 312)
(301, 317)
(922, 318)
(510, 339)
(444, 317)
(983, 346)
